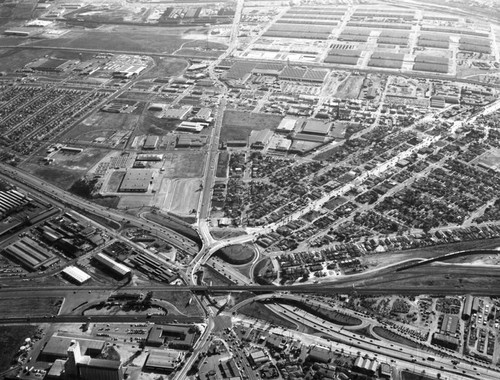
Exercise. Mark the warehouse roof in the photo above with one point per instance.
(76, 274)
(112, 264)
(167, 359)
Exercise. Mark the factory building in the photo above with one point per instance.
(11, 200)
(30, 254)
(57, 348)
(149, 157)
(85, 367)
(151, 143)
(178, 337)
(163, 361)
(108, 263)
(287, 125)
(316, 127)
(75, 275)
(137, 181)
(365, 365)
(190, 126)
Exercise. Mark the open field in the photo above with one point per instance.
(102, 124)
(238, 124)
(178, 196)
(67, 168)
(12, 59)
(139, 39)
(350, 88)
(14, 307)
(181, 301)
(166, 67)
(225, 233)
(237, 254)
(151, 125)
(11, 338)
(185, 164)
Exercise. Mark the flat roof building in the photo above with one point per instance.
(177, 113)
(137, 181)
(317, 127)
(117, 268)
(151, 142)
(190, 126)
(163, 360)
(57, 347)
(179, 337)
(287, 125)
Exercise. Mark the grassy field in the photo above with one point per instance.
(184, 164)
(151, 125)
(406, 375)
(137, 39)
(393, 337)
(13, 307)
(239, 124)
(180, 300)
(114, 181)
(11, 338)
(237, 254)
(102, 124)
(67, 168)
(200, 53)
(212, 277)
(331, 316)
(222, 162)
(166, 67)
(174, 225)
(225, 233)
(260, 311)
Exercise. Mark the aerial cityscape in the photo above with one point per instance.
(249, 189)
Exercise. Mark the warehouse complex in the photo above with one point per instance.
(30, 254)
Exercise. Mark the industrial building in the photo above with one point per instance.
(179, 337)
(129, 71)
(30, 254)
(157, 107)
(11, 200)
(50, 65)
(118, 269)
(149, 157)
(188, 141)
(177, 113)
(85, 367)
(287, 125)
(190, 126)
(258, 357)
(365, 365)
(447, 341)
(151, 142)
(57, 347)
(320, 354)
(137, 181)
(163, 361)
(75, 275)
(316, 127)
